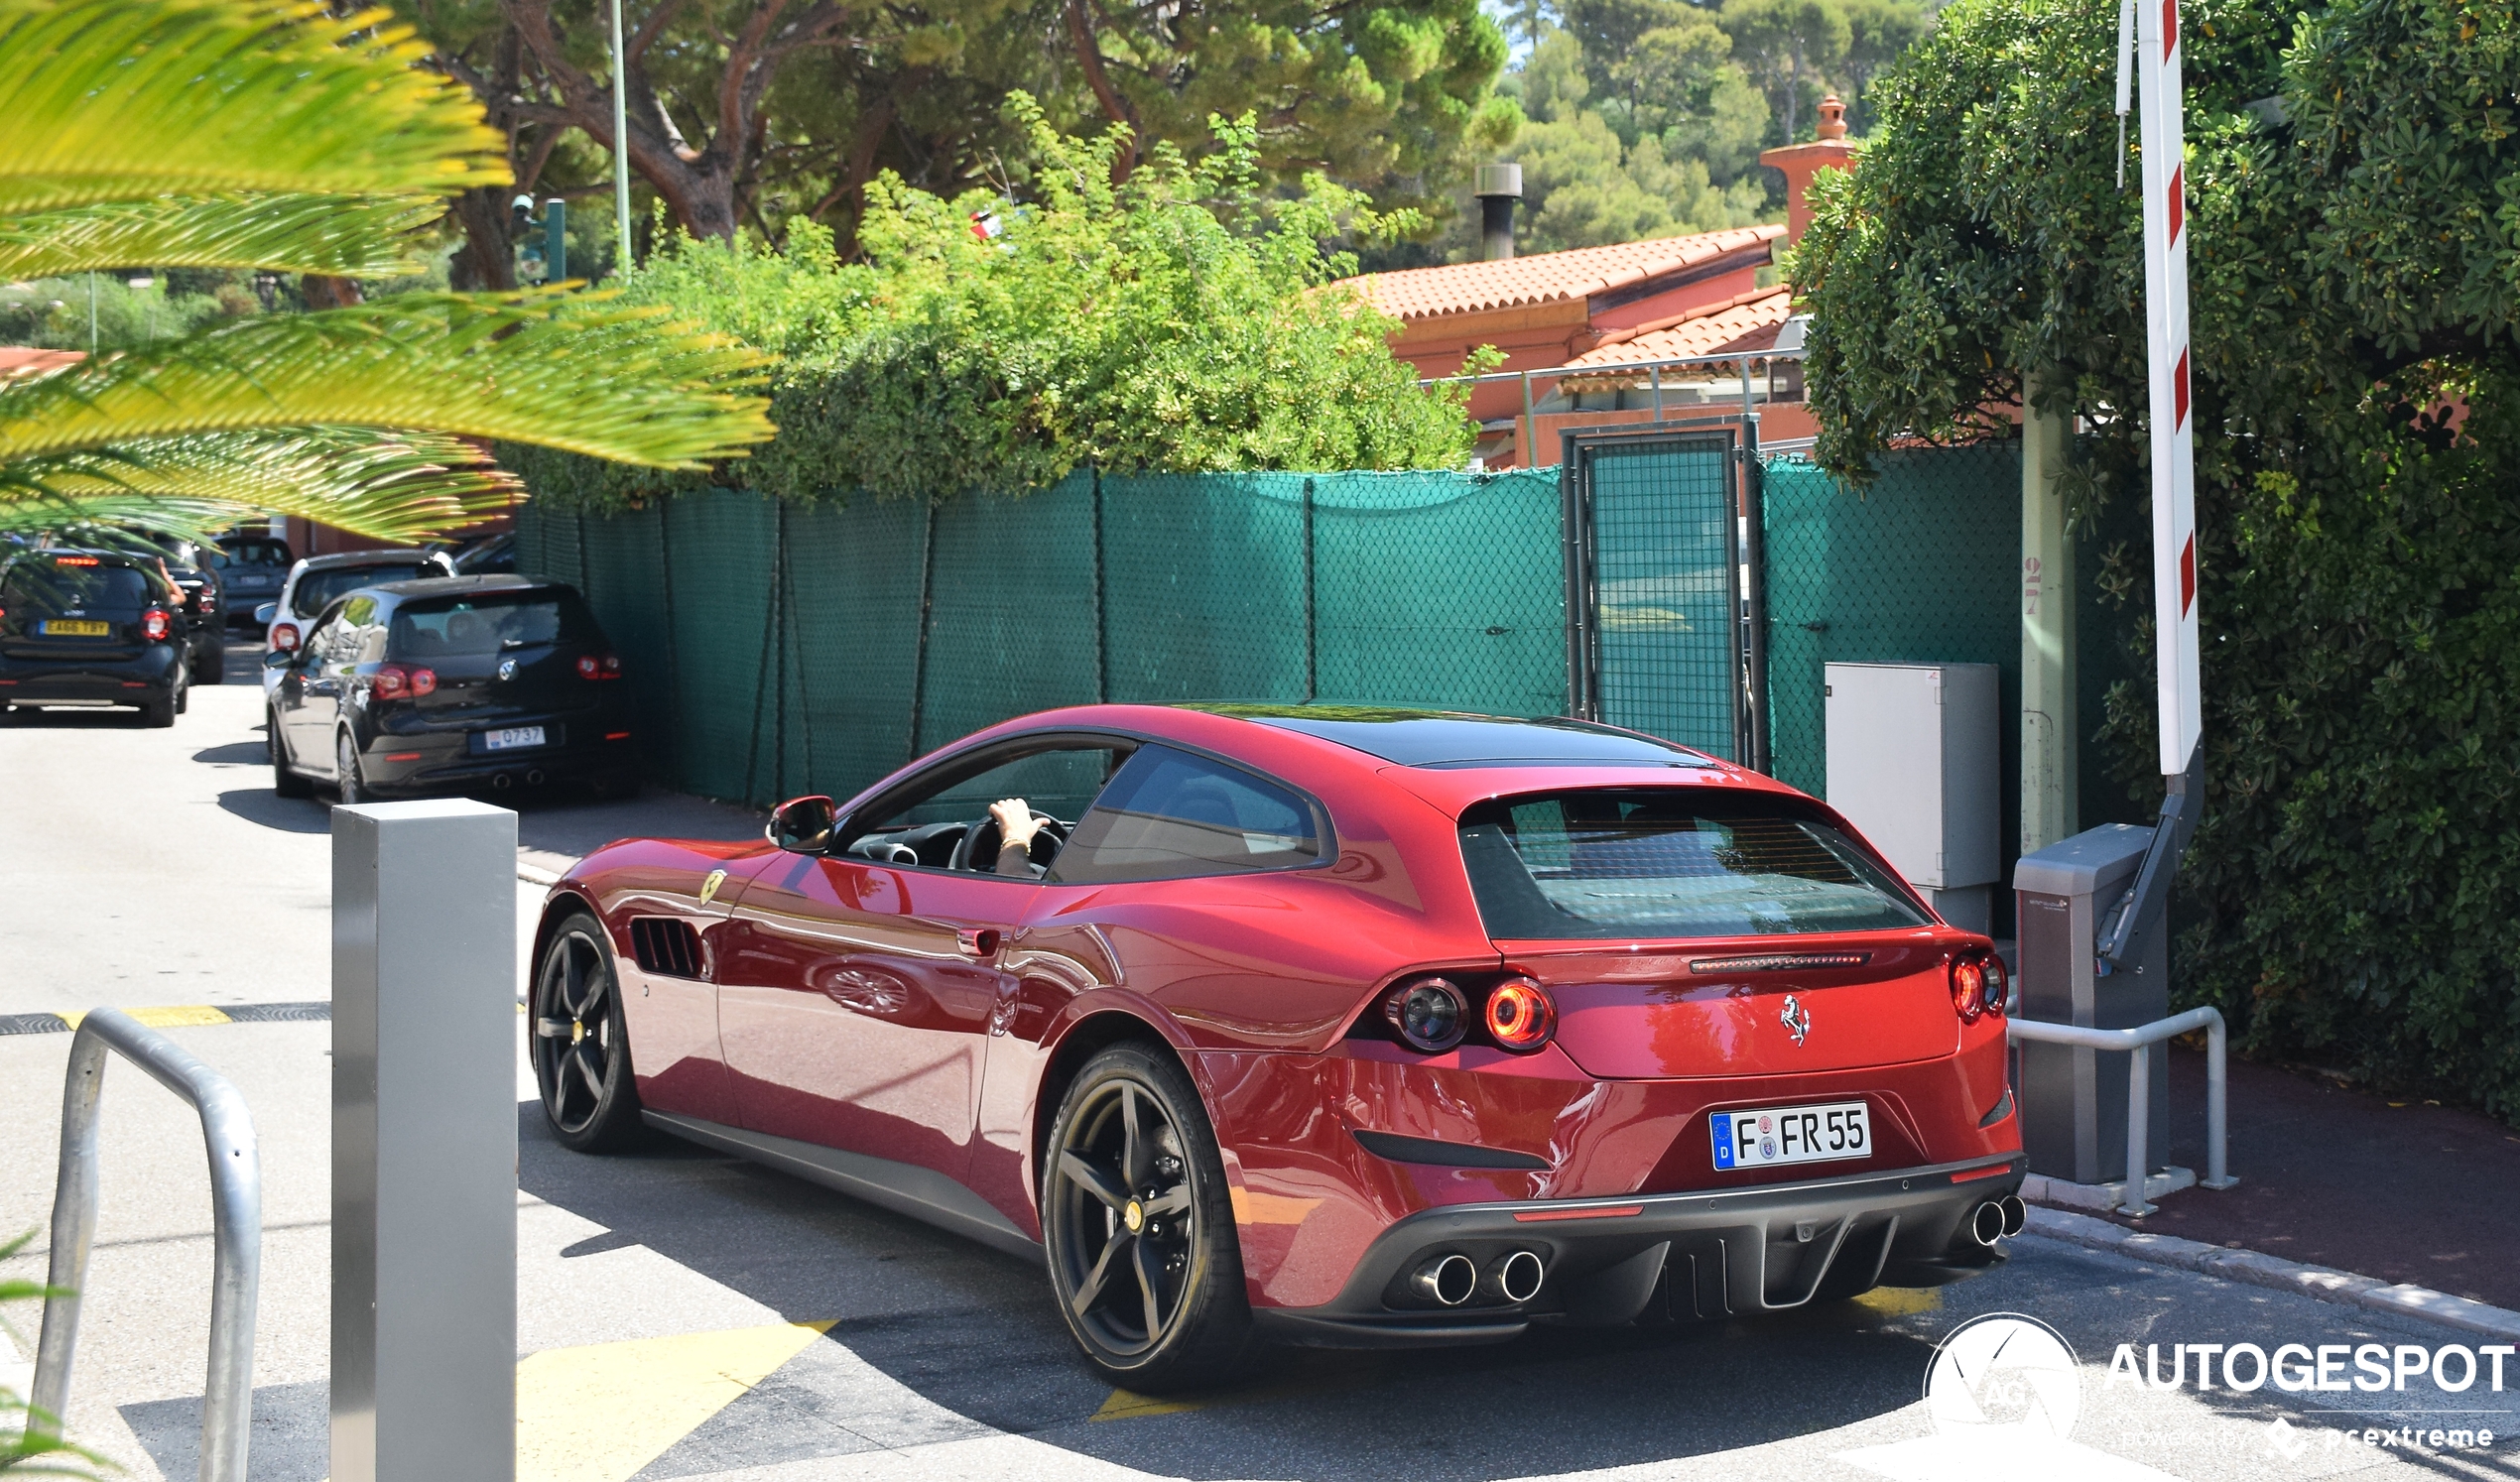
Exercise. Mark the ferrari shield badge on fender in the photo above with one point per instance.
(1796, 1019)
(716, 878)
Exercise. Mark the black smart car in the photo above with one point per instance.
(92, 628)
(451, 684)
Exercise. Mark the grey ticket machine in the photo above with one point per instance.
(2073, 1101)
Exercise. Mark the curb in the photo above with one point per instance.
(532, 876)
(2342, 1287)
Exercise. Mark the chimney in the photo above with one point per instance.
(1832, 150)
(1499, 188)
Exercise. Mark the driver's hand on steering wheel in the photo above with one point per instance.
(1015, 825)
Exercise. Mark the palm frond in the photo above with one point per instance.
(390, 486)
(558, 370)
(345, 236)
(134, 99)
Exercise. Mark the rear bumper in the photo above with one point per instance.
(444, 761)
(122, 682)
(1665, 1257)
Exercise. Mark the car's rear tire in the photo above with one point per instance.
(345, 760)
(581, 1040)
(1139, 1228)
(284, 781)
(161, 713)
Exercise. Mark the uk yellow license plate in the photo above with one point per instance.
(76, 628)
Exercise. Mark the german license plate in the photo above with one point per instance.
(512, 738)
(76, 628)
(1791, 1133)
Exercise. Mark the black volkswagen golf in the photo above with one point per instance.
(451, 684)
(92, 627)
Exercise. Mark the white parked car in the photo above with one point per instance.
(315, 581)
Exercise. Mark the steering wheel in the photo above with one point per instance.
(979, 847)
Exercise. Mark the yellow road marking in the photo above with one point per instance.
(1902, 1301)
(162, 1016)
(1125, 1406)
(601, 1413)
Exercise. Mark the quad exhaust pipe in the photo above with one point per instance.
(1514, 1277)
(1447, 1281)
(1997, 1218)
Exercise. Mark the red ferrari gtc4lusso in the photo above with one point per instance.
(1330, 1026)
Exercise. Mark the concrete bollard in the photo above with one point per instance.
(424, 1142)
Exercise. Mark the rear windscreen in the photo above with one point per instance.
(316, 589)
(252, 555)
(488, 623)
(1669, 862)
(38, 587)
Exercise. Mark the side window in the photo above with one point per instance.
(332, 645)
(1170, 815)
(944, 822)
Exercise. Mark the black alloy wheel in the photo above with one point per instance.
(581, 1044)
(345, 762)
(284, 782)
(1138, 1226)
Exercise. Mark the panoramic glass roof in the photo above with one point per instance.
(1439, 738)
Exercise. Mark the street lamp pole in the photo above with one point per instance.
(620, 139)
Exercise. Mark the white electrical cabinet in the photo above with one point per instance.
(1914, 762)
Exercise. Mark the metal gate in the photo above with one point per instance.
(1663, 582)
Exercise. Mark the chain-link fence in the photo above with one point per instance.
(777, 649)
(1923, 566)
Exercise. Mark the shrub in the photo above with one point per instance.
(1179, 323)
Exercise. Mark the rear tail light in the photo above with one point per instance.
(284, 637)
(1520, 1017)
(1998, 987)
(73, 561)
(207, 597)
(1968, 988)
(1431, 1014)
(592, 667)
(395, 680)
(155, 624)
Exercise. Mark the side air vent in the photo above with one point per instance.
(666, 947)
(1781, 962)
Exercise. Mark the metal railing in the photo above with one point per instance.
(1739, 360)
(236, 1206)
(2139, 1099)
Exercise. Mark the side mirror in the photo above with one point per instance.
(279, 659)
(803, 826)
(266, 612)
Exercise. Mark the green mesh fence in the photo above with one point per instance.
(1204, 579)
(780, 650)
(1922, 568)
(1444, 589)
(1663, 544)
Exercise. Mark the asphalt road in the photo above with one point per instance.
(683, 1315)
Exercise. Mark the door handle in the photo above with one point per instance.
(976, 942)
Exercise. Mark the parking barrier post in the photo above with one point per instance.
(236, 1224)
(2139, 1088)
(424, 1142)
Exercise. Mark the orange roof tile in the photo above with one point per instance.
(1546, 276)
(1748, 322)
(18, 361)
